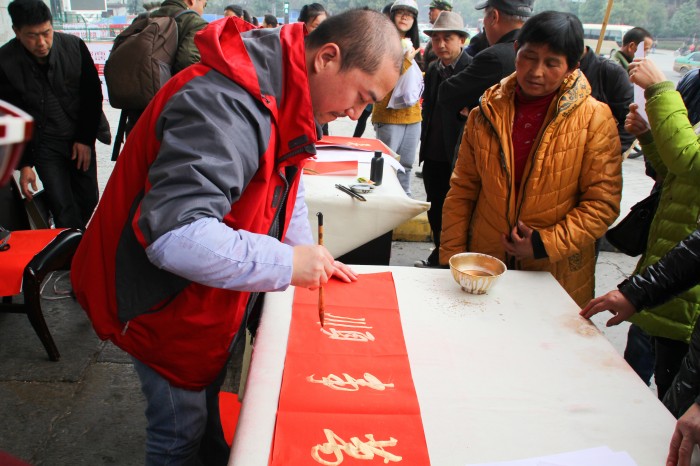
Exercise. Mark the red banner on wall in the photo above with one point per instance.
(347, 392)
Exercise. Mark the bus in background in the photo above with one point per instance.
(611, 41)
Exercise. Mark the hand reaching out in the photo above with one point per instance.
(615, 302)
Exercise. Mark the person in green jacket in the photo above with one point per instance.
(631, 41)
(671, 146)
(187, 26)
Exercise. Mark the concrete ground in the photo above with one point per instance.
(87, 409)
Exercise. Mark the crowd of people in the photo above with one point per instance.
(521, 133)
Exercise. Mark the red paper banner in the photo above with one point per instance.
(344, 168)
(346, 142)
(347, 393)
(24, 245)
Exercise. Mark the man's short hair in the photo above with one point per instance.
(270, 20)
(562, 32)
(636, 35)
(237, 10)
(361, 51)
(28, 13)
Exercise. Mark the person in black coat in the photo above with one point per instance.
(674, 273)
(610, 84)
(502, 21)
(438, 131)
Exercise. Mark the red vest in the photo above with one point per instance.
(187, 340)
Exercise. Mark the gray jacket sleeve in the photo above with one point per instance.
(211, 141)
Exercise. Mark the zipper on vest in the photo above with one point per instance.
(126, 327)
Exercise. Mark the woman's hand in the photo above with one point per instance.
(615, 302)
(644, 73)
(520, 243)
(634, 123)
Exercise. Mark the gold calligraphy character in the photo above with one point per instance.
(336, 446)
(348, 335)
(337, 383)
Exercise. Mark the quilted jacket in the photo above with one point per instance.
(570, 191)
(673, 149)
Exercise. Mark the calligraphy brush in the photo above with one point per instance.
(321, 306)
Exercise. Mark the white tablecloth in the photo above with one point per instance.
(512, 374)
(350, 223)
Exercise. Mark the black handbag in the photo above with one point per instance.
(631, 233)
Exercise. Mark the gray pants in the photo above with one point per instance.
(402, 139)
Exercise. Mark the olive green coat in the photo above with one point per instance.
(187, 26)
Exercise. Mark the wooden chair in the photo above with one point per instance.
(36, 253)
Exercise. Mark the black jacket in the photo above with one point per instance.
(488, 67)
(450, 125)
(610, 84)
(73, 79)
(674, 273)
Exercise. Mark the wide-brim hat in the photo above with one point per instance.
(447, 21)
(444, 5)
(509, 7)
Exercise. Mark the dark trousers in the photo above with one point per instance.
(654, 355)
(436, 179)
(362, 122)
(71, 193)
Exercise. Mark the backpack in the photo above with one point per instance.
(141, 61)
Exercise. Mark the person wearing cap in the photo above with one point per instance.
(438, 135)
(502, 21)
(399, 128)
(538, 177)
(434, 9)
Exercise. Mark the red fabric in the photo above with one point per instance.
(528, 120)
(187, 341)
(346, 168)
(7, 460)
(229, 409)
(358, 389)
(346, 142)
(24, 245)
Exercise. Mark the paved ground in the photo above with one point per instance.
(87, 409)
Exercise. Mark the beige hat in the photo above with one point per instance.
(448, 21)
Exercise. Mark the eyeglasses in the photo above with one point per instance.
(405, 14)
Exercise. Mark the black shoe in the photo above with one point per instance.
(424, 264)
(636, 153)
(418, 174)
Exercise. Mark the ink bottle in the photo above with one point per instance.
(376, 171)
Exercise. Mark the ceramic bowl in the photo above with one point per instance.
(476, 272)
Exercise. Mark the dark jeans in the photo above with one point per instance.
(184, 426)
(654, 355)
(436, 179)
(71, 193)
(639, 353)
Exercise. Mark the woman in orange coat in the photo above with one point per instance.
(538, 176)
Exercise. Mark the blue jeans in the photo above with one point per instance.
(184, 426)
(402, 139)
(639, 353)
